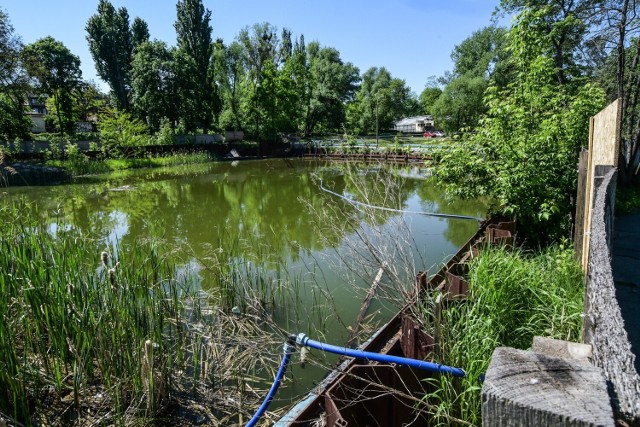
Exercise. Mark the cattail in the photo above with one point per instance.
(112, 277)
(112, 274)
(105, 258)
(304, 352)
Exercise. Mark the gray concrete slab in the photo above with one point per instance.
(625, 263)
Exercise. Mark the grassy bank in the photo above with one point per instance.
(513, 296)
(79, 164)
(113, 338)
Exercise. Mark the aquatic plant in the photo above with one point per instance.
(109, 336)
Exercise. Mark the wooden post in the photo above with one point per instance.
(581, 195)
(524, 388)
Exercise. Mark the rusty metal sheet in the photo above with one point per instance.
(382, 342)
(378, 395)
(456, 287)
(415, 343)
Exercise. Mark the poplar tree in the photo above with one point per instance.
(111, 46)
(198, 96)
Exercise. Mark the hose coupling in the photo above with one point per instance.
(302, 339)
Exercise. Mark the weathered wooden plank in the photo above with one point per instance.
(523, 388)
(581, 194)
(604, 146)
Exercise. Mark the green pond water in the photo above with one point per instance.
(274, 220)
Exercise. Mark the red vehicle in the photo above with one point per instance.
(433, 134)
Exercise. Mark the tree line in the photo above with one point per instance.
(266, 82)
(526, 94)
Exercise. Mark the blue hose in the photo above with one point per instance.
(289, 348)
(304, 340)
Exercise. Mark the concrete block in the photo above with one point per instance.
(524, 388)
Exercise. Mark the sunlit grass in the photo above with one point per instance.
(85, 166)
(513, 297)
(111, 336)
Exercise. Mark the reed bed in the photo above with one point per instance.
(80, 164)
(514, 295)
(90, 336)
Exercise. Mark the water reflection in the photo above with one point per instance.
(318, 247)
(275, 202)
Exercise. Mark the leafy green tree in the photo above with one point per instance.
(198, 95)
(479, 60)
(261, 46)
(301, 78)
(154, 84)
(565, 24)
(111, 46)
(88, 98)
(120, 132)
(483, 54)
(290, 115)
(380, 100)
(139, 33)
(526, 148)
(57, 72)
(461, 103)
(13, 83)
(232, 75)
(330, 83)
(286, 46)
(428, 97)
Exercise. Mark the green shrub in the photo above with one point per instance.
(121, 133)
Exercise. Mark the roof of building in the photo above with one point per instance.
(407, 121)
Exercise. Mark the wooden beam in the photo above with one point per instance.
(604, 146)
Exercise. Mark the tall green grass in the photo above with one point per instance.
(514, 295)
(82, 165)
(81, 328)
(118, 338)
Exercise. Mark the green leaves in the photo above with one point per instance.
(198, 97)
(111, 46)
(154, 82)
(120, 133)
(525, 151)
(58, 74)
(381, 99)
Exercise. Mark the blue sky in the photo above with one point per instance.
(413, 39)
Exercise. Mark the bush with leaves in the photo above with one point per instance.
(525, 151)
(120, 133)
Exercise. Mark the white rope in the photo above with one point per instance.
(382, 208)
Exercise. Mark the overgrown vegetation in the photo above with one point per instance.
(525, 151)
(513, 296)
(77, 163)
(112, 335)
